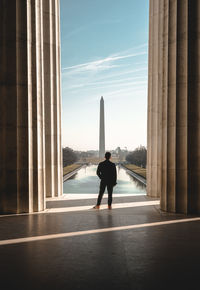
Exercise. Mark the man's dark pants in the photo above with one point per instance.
(102, 190)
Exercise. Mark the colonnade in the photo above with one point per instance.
(30, 105)
(174, 105)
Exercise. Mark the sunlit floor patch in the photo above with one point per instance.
(103, 207)
(75, 196)
(95, 231)
(87, 207)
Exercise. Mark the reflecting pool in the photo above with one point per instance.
(86, 181)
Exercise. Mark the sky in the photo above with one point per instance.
(104, 52)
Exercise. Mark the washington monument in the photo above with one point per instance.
(101, 130)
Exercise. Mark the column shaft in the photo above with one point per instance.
(29, 105)
(154, 100)
(52, 97)
(178, 114)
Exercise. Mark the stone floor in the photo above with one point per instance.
(135, 247)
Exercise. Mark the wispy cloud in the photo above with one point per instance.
(100, 81)
(85, 27)
(115, 83)
(118, 94)
(104, 63)
(116, 75)
(135, 48)
(120, 74)
(74, 32)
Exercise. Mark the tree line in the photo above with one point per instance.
(69, 156)
(138, 156)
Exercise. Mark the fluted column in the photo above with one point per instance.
(52, 95)
(154, 100)
(59, 103)
(194, 106)
(56, 97)
(179, 112)
(48, 99)
(29, 105)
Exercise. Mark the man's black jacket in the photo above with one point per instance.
(107, 172)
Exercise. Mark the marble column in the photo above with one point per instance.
(24, 154)
(174, 105)
(52, 96)
(154, 100)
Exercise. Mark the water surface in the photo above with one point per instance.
(86, 181)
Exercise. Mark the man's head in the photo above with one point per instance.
(107, 155)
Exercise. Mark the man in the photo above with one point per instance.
(106, 171)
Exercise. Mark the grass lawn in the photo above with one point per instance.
(70, 168)
(140, 171)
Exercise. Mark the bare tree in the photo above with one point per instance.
(138, 156)
(69, 156)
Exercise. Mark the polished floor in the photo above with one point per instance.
(132, 246)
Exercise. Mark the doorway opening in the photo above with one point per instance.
(104, 52)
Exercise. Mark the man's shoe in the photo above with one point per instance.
(109, 207)
(96, 207)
